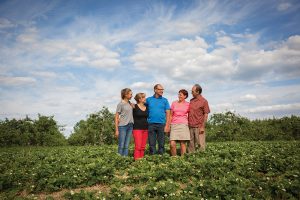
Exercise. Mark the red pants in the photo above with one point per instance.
(140, 140)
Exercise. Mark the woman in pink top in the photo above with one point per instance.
(179, 123)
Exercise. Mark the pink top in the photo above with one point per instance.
(180, 112)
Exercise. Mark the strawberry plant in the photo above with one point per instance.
(226, 170)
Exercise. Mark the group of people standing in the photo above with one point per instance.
(151, 118)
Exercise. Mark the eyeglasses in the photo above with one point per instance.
(160, 89)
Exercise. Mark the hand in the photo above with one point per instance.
(201, 130)
(167, 129)
(117, 134)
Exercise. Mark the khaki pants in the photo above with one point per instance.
(196, 140)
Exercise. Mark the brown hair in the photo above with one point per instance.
(124, 92)
(184, 92)
(138, 96)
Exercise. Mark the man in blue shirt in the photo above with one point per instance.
(158, 119)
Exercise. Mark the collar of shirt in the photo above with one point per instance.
(198, 97)
(160, 97)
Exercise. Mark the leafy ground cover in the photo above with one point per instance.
(226, 170)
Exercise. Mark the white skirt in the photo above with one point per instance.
(180, 132)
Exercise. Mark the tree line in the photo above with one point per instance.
(98, 128)
(44, 131)
(233, 127)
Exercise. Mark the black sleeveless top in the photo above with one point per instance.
(140, 118)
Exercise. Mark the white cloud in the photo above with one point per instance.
(282, 61)
(293, 43)
(283, 6)
(29, 36)
(44, 74)
(221, 107)
(142, 86)
(183, 59)
(255, 101)
(168, 48)
(90, 53)
(248, 97)
(5, 23)
(16, 81)
(32, 52)
(162, 22)
(69, 104)
(295, 107)
(187, 59)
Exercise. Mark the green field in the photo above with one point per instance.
(227, 170)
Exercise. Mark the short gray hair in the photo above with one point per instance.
(198, 88)
(156, 86)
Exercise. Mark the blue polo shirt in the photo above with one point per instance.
(157, 109)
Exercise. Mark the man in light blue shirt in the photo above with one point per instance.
(158, 119)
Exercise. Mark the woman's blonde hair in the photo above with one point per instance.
(138, 96)
(124, 92)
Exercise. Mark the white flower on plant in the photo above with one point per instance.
(72, 192)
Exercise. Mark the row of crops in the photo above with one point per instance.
(226, 170)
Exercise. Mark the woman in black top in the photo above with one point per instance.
(140, 126)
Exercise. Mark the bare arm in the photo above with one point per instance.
(171, 114)
(205, 119)
(168, 118)
(117, 124)
(202, 128)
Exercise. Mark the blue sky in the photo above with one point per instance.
(70, 58)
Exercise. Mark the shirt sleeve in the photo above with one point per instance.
(172, 106)
(206, 108)
(188, 107)
(167, 105)
(147, 102)
(119, 108)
